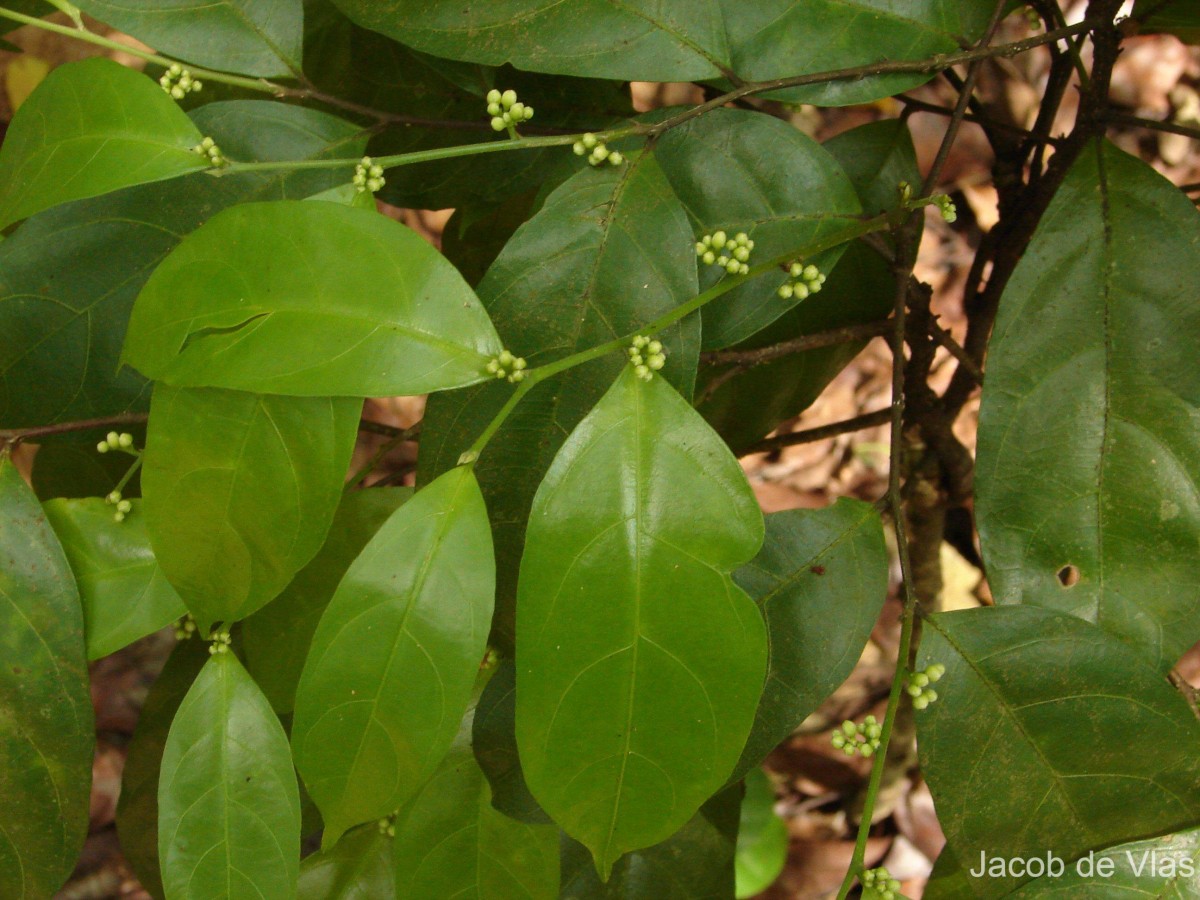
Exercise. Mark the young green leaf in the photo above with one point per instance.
(1089, 448)
(125, 594)
(762, 844)
(359, 867)
(253, 37)
(46, 734)
(640, 662)
(240, 490)
(395, 656)
(277, 637)
(608, 251)
(91, 127)
(342, 302)
(137, 809)
(228, 803)
(820, 580)
(735, 170)
(1038, 695)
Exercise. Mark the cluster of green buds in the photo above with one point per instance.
(946, 207)
(918, 685)
(220, 642)
(878, 884)
(506, 110)
(185, 627)
(507, 366)
(208, 147)
(802, 281)
(861, 739)
(387, 825)
(597, 152)
(178, 82)
(646, 356)
(368, 176)
(114, 441)
(942, 201)
(730, 253)
(123, 506)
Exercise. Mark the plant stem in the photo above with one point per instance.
(820, 433)
(15, 436)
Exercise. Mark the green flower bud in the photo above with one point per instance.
(654, 347)
(796, 270)
(718, 239)
(919, 679)
(935, 671)
(118, 516)
(866, 750)
(175, 70)
(493, 366)
(741, 254)
(208, 144)
(811, 273)
(124, 506)
(102, 447)
(578, 148)
(709, 258)
(498, 124)
(920, 702)
(197, 87)
(930, 695)
(785, 291)
(641, 341)
(114, 497)
(493, 96)
(493, 109)
(615, 158)
(375, 171)
(114, 439)
(505, 358)
(657, 361)
(589, 140)
(722, 261)
(508, 98)
(733, 267)
(700, 248)
(519, 363)
(849, 728)
(643, 372)
(600, 152)
(800, 291)
(125, 439)
(517, 112)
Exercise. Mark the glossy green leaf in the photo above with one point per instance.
(395, 656)
(695, 863)
(61, 327)
(1177, 17)
(609, 250)
(820, 581)
(240, 490)
(46, 735)
(1039, 696)
(742, 171)
(686, 40)
(1164, 868)
(762, 842)
(877, 157)
(344, 302)
(228, 804)
(125, 594)
(253, 37)
(451, 841)
(640, 662)
(1089, 447)
(91, 127)
(277, 637)
(359, 867)
(494, 740)
(137, 808)
(74, 471)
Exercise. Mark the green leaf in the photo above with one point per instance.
(1176, 17)
(91, 127)
(640, 661)
(359, 867)
(695, 863)
(609, 251)
(253, 37)
(137, 809)
(228, 804)
(277, 637)
(742, 171)
(820, 581)
(240, 490)
(877, 157)
(338, 301)
(1038, 696)
(61, 327)
(46, 734)
(762, 843)
(494, 740)
(125, 595)
(1089, 448)
(685, 40)
(1165, 868)
(395, 656)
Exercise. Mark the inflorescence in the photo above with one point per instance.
(646, 356)
(730, 253)
(878, 884)
(802, 281)
(178, 82)
(368, 176)
(861, 739)
(597, 152)
(918, 685)
(508, 366)
(220, 642)
(208, 147)
(506, 110)
(123, 443)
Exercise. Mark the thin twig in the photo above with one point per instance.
(945, 339)
(984, 122)
(820, 433)
(1117, 118)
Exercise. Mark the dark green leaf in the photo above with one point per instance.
(494, 741)
(608, 251)
(686, 40)
(46, 733)
(339, 301)
(91, 127)
(762, 843)
(695, 863)
(743, 171)
(277, 637)
(137, 810)
(877, 157)
(73, 471)
(820, 580)
(359, 867)
(240, 490)
(228, 805)
(253, 37)
(1177, 17)
(61, 327)
(1038, 696)
(1089, 442)
(1165, 868)
(395, 656)
(125, 595)
(640, 662)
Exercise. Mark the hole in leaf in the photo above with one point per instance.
(1068, 576)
